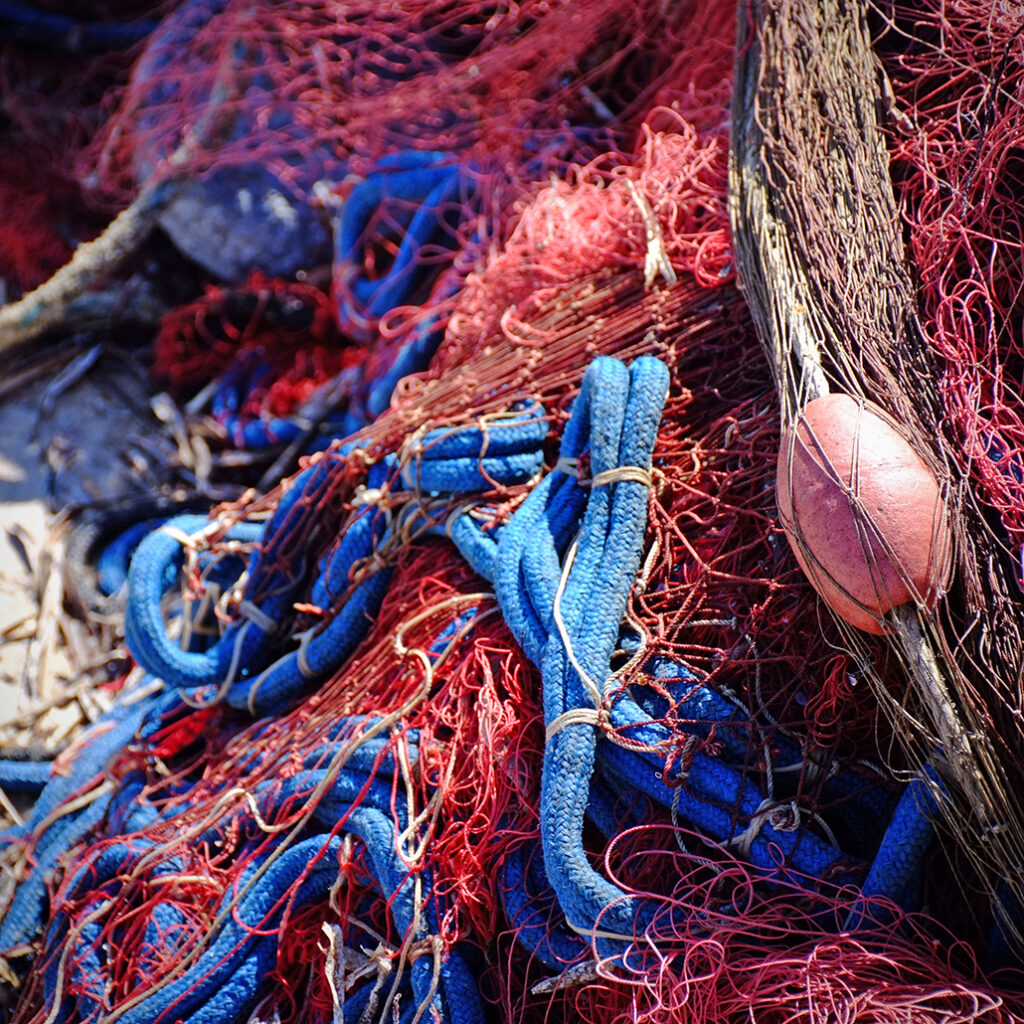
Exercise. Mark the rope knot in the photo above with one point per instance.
(574, 467)
(783, 817)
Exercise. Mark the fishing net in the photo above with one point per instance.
(363, 777)
(869, 342)
(40, 202)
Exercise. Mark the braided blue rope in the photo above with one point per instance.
(896, 870)
(325, 649)
(152, 572)
(246, 645)
(88, 966)
(530, 904)
(427, 182)
(113, 560)
(530, 530)
(712, 780)
(225, 982)
(25, 913)
(717, 801)
(532, 909)
(621, 409)
(614, 422)
(412, 356)
(465, 459)
(503, 452)
(434, 189)
(247, 373)
(26, 777)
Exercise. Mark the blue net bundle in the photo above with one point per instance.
(510, 702)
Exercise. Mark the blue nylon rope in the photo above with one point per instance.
(614, 422)
(27, 777)
(25, 912)
(224, 983)
(896, 870)
(508, 451)
(425, 181)
(532, 909)
(559, 905)
(623, 409)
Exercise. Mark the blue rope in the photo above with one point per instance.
(424, 193)
(25, 913)
(503, 452)
(532, 909)
(115, 557)
(246, 644)
(896, 871)
(614, 422)
(855, 803)
(25, 777)
(426, 182)
(247, 373)
(562, 568)
(223, 984)
(620, 410)
(227, 979)
(154, 568)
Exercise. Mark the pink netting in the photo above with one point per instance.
(956, 129)
(588, 240)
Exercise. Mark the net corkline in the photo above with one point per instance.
(512, 702)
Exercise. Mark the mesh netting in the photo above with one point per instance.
(350, 83)
(588, 218)
(959, 183)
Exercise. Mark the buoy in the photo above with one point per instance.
(864, 514)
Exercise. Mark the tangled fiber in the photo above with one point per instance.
(512, 701)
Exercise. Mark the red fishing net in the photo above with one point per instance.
(277, 338)
(955, 131)
(494, 84)
(596, 135)
(44, 116)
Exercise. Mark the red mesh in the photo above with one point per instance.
(719, 593)
(31, 246)
(497, 85)
(284, 329)
(43, 117)
(955, 134)
(50, 105)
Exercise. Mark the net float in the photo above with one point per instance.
(864, 514)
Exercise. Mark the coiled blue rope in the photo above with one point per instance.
(246, 647)
(225, 981)
(222, 985)
(418, 196)
(503, 451)
(57, 832)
